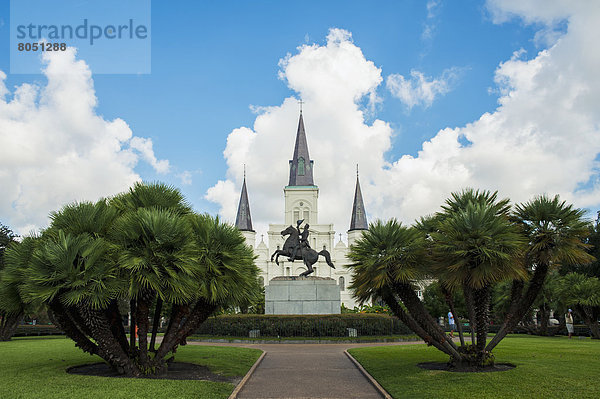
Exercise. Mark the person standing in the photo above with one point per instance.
(451, 324)
(569, 323)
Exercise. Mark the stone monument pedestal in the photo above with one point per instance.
(302, 295)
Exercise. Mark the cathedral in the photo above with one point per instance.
(301, 197)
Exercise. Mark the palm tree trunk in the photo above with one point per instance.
(405, 318)
(468, 293)
(8, 325)
(68, 326)
(423, 318)
(132, 324)
(590, 318)
(155, 323)
(202, 310)
(169, 341)
(482, 309)
(177, 332)
(108, 346)
(450, 302)
(544, 319)
(512, 319)
(143, 311)
(116, 325)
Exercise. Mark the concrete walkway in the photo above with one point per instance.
(307, 371)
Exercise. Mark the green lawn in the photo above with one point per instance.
(546, 368)
(35, 368)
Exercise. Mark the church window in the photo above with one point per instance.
(296, 215)
(324, 247)
(342, 284)
(306, 217)
(287, 271)
(300, 166)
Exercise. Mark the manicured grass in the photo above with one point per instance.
(553, 367)
(34, 367)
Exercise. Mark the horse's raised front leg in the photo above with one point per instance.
(276, 256)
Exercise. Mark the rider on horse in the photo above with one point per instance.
(302, 242)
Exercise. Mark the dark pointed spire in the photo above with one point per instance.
(243, 221)
(358, 221)
(301, 167)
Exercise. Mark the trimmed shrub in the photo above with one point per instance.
(26, 330)
(239, 325)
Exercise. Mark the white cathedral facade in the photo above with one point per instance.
(301, 197)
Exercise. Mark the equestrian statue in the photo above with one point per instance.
(296, 247)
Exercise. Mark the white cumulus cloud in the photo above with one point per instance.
(419, 89)
(544, 136)
(55, 148)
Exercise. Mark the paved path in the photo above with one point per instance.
(307, 371)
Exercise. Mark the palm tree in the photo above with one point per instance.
(145, 246)
(77, 277)
(475, 247)
(387, 260)
(555, 233)
(470, 246)
(157, 257)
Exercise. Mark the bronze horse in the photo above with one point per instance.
(308, 255)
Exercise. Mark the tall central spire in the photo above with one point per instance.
(301, 166)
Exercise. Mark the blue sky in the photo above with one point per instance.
(212, 61)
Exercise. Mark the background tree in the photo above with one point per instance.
(12, 308)
(436, 304)
(583, 294)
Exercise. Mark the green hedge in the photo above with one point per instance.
(25, 330)
(303, 326)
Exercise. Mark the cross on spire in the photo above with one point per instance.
(300, 102)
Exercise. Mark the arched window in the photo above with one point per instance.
(324, 247)
(306, 217)
(342, 284)
(287, 271)
(300, 166)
